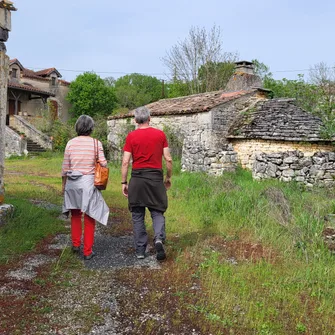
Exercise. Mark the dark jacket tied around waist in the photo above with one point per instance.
(146, 189)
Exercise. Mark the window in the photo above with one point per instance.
(53, 81)
(14, 73)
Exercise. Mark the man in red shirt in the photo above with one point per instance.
(147, 186)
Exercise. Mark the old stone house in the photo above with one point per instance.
(219, 130)
(29, 91)
(34, 99)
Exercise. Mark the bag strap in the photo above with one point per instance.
(96, 152)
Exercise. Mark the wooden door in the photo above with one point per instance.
(11, 107)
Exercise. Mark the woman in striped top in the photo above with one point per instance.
(80, 194)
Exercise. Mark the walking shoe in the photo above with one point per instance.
(160, 251)
(140, 254)
(75, 249)
(90, 256)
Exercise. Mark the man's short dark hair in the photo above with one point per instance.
(142, 115)
(84, 125)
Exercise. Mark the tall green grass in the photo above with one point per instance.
(288, 290)
(27, 227)
(292, 292)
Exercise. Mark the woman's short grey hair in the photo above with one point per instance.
(84, 125)
(142, 115)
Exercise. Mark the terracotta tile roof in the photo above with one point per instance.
(64, 82)
(29, 73)
(195, 103)
(16, 61)
(41, 75)
(28, 88)
(47, 72)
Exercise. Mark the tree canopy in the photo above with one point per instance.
(90, 95)
(315, 95)
(134, 90)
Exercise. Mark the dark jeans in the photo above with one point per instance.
(140, 233)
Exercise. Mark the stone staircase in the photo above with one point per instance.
(32, 147)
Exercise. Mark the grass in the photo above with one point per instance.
(28, 226)
(254, 249)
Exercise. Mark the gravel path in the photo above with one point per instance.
(95, 288)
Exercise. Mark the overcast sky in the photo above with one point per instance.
(114, 37)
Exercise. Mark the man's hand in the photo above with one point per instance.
(125, 190)
(167, 183)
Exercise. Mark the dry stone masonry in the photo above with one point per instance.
(318, 169)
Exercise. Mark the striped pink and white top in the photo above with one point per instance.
(80, 156)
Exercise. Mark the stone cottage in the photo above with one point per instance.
(277, 139)
(219, 130)
(200, 123)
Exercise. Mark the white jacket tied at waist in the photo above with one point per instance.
(80, 193)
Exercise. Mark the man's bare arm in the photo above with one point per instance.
(124, 172)
(168, 161)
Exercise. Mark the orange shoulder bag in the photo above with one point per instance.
(101, 173)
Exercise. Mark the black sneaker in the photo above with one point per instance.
(140, 254)
(160, 251)
(75, 249)
(90, 256)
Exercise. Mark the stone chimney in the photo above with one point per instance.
(244, 77)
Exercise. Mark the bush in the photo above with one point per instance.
(62, 133)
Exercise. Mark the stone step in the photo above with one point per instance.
(34, 147)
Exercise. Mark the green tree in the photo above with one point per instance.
(317, 95)
(261, 69)
(214, 76)
(307, 95)
(197, 61)
(177, 89)
(136, 90)
(90, 95)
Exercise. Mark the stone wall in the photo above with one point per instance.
(16, 145)
(248, 148)
(318, 169)
(4, 61)
(6, 211)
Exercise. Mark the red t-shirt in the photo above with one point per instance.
(146, 147)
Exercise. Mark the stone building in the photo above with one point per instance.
(219, 130)
(199, 122)
(29, 92)
(277, 139)
(33, 99)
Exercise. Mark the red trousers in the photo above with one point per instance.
(76, 230)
